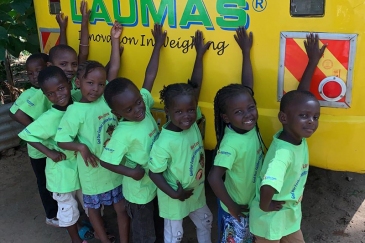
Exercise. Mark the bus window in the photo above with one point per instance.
(307, 8)
(54, 6)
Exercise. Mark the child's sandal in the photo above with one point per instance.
(86, 233)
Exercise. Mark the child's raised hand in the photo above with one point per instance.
(62, 20)
(85, 12)
(137, 173)
(88, 157)
(116, 30)
(200, 47)
(236, 211)
(159, 35)
(312, 48)
(243, 39)
(182, 194)
(56, 156)
(275, 205)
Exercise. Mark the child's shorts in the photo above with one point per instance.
(68, 212)
(106, 198)
(231, 230)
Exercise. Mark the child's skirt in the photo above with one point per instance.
(107, 198)
(231, 230)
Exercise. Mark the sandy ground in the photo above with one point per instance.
(333, 207)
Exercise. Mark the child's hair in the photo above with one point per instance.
(54, 50)
(115, 87)
(37, 56)
(220, 105)
(50, 72)
(87, 67)
(171, 91)
(292, 96)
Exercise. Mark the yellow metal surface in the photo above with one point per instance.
(338, 142)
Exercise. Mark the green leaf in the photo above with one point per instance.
(32, 48)
(15, 46)
(33, 39)
(5, 17)
(3, 33)
(31, 22)
(4, 2)
(20, 6)
(18, 30)
(2, 53)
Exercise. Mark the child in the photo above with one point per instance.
(61, 167)
(239, 150)
(276, 210)
(85, 128)
(177, 158)
(34, 64)
(132, 142)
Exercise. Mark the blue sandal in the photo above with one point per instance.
(86, 233)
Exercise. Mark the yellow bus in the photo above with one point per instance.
(278, 57)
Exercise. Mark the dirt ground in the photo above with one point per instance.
(333, 207)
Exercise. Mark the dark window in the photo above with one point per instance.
(54, 6)
(307, 8)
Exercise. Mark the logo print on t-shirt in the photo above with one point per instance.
(199, 174)
(109, 131)
(201, 160)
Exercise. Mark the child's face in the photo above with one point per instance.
(33, 69)
(129, 105)
(241, 112)
(57, 90)
(67, 61)
(301, 119)
(92, 86)
(182, 111)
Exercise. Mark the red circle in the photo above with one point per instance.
(332, 89)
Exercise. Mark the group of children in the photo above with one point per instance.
(98, 141)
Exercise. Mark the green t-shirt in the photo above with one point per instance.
(242, 155)
(91, 124)
(61, 177)
(179, 156)
(133, 141)
(285, 168)
(18, 104)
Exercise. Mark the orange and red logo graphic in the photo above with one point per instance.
(49, 38)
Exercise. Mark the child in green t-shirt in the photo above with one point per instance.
(275, 213)
(61, 167)
(239, 153)
(34, 64)
(85, 128)
(128, 150)
(177, 158)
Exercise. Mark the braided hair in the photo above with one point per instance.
(220, 107)
(169, 92)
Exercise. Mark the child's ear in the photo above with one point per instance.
(225, 118)
(49, 64)
(282, 118)
(77, 82)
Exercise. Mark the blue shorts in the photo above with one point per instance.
(232, 230)
(106, 198)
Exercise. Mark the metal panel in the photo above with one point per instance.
(9, 129)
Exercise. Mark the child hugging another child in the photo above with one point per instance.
(128, 150)
(85, 128)
(177, 158)
(239, 153)
(61, 167)
(275, 213)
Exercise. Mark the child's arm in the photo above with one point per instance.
(62, 22)
(314, 54)
(217, 185)
(22, 118)
(121, 49)
(54, 155)
(136, 173)
(114, 63)
(245, 43)
(88, 157)
(197, 75)
(84, 40)
(266, 202)
(152, 67)
(161, 183)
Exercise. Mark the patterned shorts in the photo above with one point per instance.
(231, 230)
(106, 198)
